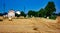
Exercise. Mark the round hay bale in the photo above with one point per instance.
(10, 19)
(47, 17)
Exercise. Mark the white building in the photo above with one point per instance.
(18, 12)
(11, 14)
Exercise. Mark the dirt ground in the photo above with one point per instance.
(30, 25)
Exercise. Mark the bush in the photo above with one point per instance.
(1, 19)
(53, 17)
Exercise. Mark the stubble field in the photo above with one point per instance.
(30, 25)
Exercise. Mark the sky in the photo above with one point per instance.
(27, 5)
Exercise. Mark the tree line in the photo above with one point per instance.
(48, 11)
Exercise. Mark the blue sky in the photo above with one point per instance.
(29, 5)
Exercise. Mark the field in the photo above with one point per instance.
(30, 25)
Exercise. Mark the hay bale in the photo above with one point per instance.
(10, 19)
(47, 17)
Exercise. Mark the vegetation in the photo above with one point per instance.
(50, 8)
(17, 15)
(41, 13)
(23, 14)
(48, 11)
(1, 19)
(59, 14)
(32, 13)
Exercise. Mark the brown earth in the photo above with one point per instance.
(30, 25)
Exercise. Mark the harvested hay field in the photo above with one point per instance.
(31, 25)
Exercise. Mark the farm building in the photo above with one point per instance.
(11, 14)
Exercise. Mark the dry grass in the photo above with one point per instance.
(31, 25)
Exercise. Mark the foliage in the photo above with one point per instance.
(50, 8)
(32, 13)
(59, 14)
(17, 15)
(23, 14)
(1, 14)
(41, 12)
(53, 17)
(1, 19)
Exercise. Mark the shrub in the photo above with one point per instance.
(1, 19)
(53, 17)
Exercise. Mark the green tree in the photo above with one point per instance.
(23, 14)
(41, 12)
(59, 14)
(17, 15)
(50, 8)
(32, 13)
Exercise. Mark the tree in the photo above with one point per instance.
(23, 14)
(32, 13)
(59, 14)
(17, 13)
(41, 12)
(50, 8)
(5, 13)
(1, 14)
(55, 14)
